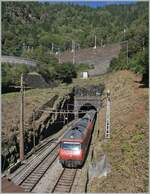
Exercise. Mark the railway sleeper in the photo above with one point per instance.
(68, 180)
(29, 187)
(30, 183)
(31, 177)
(30, 180)
(34, 175)
(65, 185)
(28, 190)
(62, 191)
(61, 187)
(34, 165)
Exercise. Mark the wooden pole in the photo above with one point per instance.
(21, 129)
(95, 43)
(98, 126)
(107, 129)
(127, 53)
(21, 142)
(73, 50)
(33, 126)
(59, 56)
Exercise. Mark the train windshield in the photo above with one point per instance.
(71, 146)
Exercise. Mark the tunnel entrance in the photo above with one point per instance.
(86, 98)
(86, 107)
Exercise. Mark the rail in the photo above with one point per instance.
(34, 169)
(65, 181)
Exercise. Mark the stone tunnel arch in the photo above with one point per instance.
(85, 107)
(88, 95)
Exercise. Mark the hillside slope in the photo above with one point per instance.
(41, 24)
(127, 149)
(99, 57)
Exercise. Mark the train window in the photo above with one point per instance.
(71, 146)
(84, 122)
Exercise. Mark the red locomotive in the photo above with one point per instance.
(74, 144)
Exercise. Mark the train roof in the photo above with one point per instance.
(78, 130)
(75, 133)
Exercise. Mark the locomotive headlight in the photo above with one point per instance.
(77, 152)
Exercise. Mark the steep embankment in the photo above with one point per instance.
(127, 149)
(44, 122)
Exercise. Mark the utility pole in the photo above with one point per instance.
(28, 49)
(67, 113)
(72, 46)
(124, 32)
(73, 51)
(95, 43)
(79, 53)
(21, 142)
(24, 47)
(58, 55)
(127, 53)
(21, 128)
(127, 50)
(107, 127)
(52, 47)
(143, 42)
(33, 126)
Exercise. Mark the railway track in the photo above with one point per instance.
(28, 175)
(30, 161)
(65, 181)
(31, 175)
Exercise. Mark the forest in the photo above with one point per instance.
(31, 29)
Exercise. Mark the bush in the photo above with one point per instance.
(65, 72)
(11, 75)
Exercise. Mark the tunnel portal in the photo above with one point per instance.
(86, 107)
(86, 98)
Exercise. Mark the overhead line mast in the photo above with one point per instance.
(21, 142)
(73, 51)
(95, 42)
(21, 129)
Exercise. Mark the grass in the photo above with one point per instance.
(127, 149)
(82, 67)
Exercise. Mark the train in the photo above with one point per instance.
(74, 144)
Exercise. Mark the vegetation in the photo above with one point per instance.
(51, 73)
(127, 149)
(41, 25)
(11, 75)
(135, 47)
